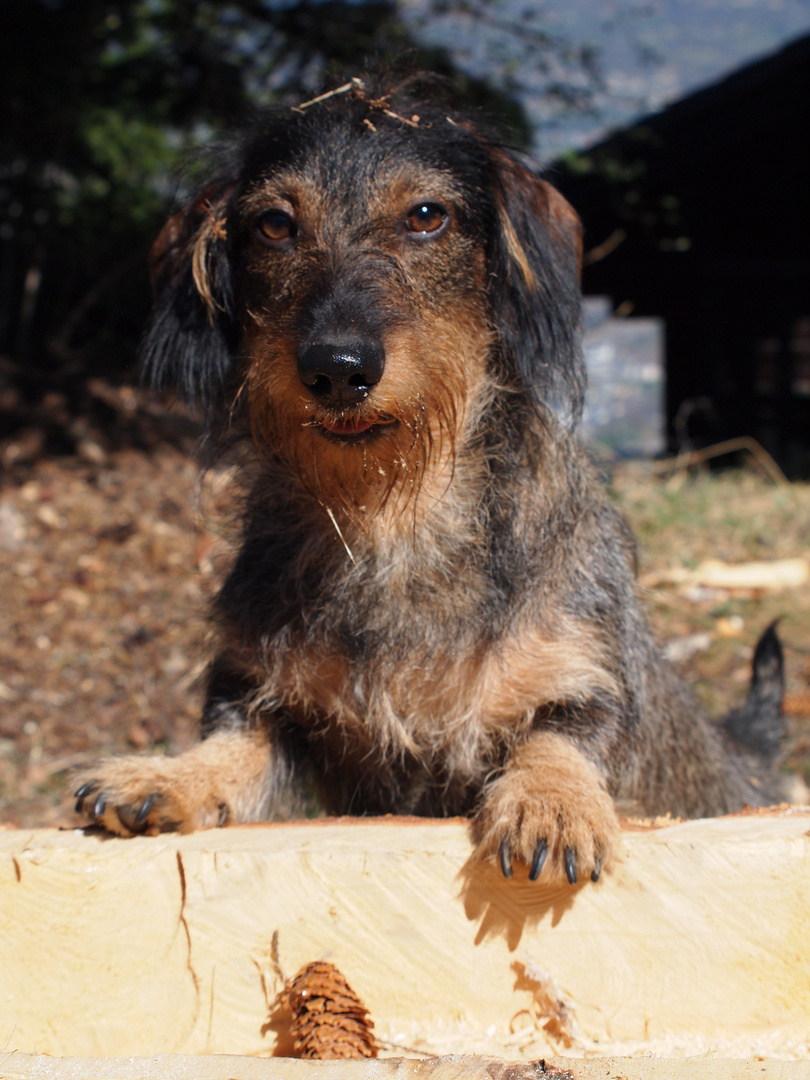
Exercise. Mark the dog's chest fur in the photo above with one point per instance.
(406, 647)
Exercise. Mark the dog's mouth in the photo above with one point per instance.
(355, 428)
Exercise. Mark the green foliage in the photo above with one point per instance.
(104, 99)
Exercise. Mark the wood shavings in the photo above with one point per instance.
(549, 1010)
(775, 575)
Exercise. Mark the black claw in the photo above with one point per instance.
(505, 855)
(571, 865)
(99, 806)
(145, 810)
(223, 813)
(597, 869)
(539, 859)
(82, 793)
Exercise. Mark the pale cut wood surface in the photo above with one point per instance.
(226, 1067)
(699, 942)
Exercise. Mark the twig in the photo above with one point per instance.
(607, 247)
(353, 84)
(742, 442)
(357, 87)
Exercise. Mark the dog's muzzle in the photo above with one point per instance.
(339, 376)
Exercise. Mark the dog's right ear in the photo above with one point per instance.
(190, 341)
(535, 265)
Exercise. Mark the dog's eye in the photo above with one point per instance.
(275, 227)
(426, 219)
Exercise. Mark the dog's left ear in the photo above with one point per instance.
(190, 341)
(535, 266)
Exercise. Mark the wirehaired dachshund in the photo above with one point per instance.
(433, 609)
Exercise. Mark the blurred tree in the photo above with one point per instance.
(102, 101)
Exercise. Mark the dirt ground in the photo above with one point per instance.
(109, 556)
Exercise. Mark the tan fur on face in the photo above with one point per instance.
(437, 347)
(421, 403)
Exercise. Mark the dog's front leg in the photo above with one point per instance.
(549, 808)
(233, 775)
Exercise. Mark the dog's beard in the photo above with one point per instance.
(387, 470)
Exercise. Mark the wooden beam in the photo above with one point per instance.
(230, 1067)
(698, 943)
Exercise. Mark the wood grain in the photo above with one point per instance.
(699, 942)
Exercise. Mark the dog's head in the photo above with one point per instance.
(368, 273)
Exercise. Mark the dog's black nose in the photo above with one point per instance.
(341, 375)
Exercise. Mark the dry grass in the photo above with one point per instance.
(736, 516)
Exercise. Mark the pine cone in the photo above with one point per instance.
(329, 1020)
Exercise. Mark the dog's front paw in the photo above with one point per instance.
(550, 810)
(227, 777)
(129, 796)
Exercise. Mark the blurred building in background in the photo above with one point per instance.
(625, 407)
(698, 215)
